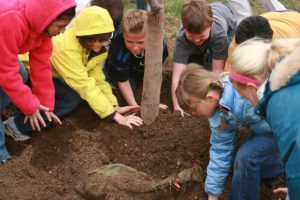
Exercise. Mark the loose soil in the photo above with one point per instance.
(49, 165)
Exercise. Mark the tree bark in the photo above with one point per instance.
(153, 62)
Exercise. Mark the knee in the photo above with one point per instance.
(244, 160)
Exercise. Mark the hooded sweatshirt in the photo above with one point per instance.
(70, 61)
(21, 30)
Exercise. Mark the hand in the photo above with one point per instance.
(128, 120)
(36, 117)
(127, 109)
(212, 197)
(282, 190)
(51, 115)
(163, 106)
(182, 113)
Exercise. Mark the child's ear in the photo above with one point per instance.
(212, 96)
(252, 86)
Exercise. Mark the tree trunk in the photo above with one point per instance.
(153, 62)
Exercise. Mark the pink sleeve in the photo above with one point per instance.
(41, 73)
(11, 37)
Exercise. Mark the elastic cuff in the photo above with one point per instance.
(110, 117)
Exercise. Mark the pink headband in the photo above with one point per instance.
(243, 79)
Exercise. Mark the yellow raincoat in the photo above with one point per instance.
(70, 61)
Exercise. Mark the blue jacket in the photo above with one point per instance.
(281, 107)
(236, 112)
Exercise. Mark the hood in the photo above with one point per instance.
(93, 20)
(41, 13)
(285, 70)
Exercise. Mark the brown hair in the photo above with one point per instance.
(194, 84)
(196, 16)
(135, 21)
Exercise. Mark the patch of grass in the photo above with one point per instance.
(173, 9)
(128, 4)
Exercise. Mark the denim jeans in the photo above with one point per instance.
(4, 101)
(66, 100)
(141, 4)
(258, 158)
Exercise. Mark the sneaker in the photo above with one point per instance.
(4, 161)
(11, 132)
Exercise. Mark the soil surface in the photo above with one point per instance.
(49, 165)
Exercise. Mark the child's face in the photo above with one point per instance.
(95, 45)
(56, 27)
(198, 38)
(205, 107)
(249, 92)
(135, 42)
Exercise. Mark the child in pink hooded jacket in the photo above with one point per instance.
(27, 26)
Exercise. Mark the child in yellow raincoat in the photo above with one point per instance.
(77, 73)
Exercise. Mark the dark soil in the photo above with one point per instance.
(49, 165)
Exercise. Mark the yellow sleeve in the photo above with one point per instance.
(69, 66)
(99, 76)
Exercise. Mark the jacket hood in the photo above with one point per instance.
(284, 72)
(93, 20)
(41, 13)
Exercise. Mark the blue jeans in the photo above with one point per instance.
(4, 101)
(258, 158)
(66, 100)
(141, 4)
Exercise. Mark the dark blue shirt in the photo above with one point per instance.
(121, 63)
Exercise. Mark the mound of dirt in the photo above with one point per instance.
(50, 165)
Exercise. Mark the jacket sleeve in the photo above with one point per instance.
(69, 65)
(41, 73)
(11, 38)
(221, 154)
(104, 86)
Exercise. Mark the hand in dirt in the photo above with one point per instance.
(282, 192)
(128, 120)
(213, 197)
(52, 117)
(36, 118)
(181, 112)
(163, 106)
(127, 110)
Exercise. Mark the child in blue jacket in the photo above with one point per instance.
(203, 94)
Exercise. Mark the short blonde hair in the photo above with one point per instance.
(256, 58)
(194, 84)
(134, 21)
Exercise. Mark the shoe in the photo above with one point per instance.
(4, 161)
(11, 132)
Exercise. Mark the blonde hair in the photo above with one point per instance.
(194, 84)
(134, 21)
(256, 58)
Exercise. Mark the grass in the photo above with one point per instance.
(173, 7)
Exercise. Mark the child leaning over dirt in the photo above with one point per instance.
(203, 94)
(125, 64)
(77, 58)
(27, 26)
(204, 37)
